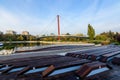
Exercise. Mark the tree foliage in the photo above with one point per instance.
(118, 38)
(91, 32)
(101, 37)
(17, 37)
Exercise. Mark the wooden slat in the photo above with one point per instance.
(87, 68)
(28, 59)
(23, 71)
(85, 51)
(40, 62)
(94, 56)
(111, 54)
(63, 65)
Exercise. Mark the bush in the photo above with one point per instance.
(105, 42)
(99, 42)
(95, 41)
(117, 43)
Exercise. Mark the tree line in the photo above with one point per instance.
(17, 37)
(109, 37)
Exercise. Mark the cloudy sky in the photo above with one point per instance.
(39, 16)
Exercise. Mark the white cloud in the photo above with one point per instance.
(77, 22)
(19, 23)
(7, 20)
(104, 20)
(7, 17)
(109, 12)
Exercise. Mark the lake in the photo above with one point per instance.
(47, 49)
(8, 48)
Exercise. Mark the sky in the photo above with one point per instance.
(39, 16)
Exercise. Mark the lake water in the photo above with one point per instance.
(9, 48)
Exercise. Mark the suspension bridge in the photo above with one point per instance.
(56, 31)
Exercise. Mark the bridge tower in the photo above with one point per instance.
(58, 22)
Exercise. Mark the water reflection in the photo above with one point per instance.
(10, 48)
(7, 52)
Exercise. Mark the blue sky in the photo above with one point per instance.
(39, 16)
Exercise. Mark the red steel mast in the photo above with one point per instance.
(58, 21)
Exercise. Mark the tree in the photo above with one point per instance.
(52, 34)
(101, 37)
(118, 38)
(79, 34)
(111, 35)
(91, 32)
(20, 38)
(31, 38)
(67, 34)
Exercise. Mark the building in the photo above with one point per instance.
(25, 33)
(10, 32)
(1, 32)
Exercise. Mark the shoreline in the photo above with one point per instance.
(50, 42)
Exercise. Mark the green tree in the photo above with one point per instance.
(20, 38)
(91, 32)
(79, 34)
(111, 35)
(101, 37)
(67, 34)
(118, 38)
